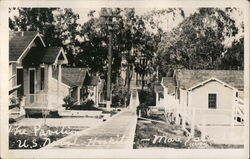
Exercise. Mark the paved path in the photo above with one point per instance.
(116, 133)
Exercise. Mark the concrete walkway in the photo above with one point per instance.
(116, 133)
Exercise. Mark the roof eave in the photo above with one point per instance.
(65, 61)
(211, 79)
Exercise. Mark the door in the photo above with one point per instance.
(32, 85)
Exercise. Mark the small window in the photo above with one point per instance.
(212, 101)
(42, 79)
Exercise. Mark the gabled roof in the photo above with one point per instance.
(169, 83)
(92, 81)
(190, 78)
(37, 55)
(72, 76)
(19, 43)
(209, 80)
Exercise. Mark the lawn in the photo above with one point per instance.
(35, 137)
(152, 133)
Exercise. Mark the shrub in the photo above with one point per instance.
(14, 100)
(11, 120)
(161, 95)
(120, 95)
(147, 97)
(69, 101)
(88, 104)
(144, 109)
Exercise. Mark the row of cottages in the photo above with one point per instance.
(36, 72)
(212, 97)
(81, 86)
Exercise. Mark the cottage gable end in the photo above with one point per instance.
(21, 42)
(210, 80)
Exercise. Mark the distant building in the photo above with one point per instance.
(80, 85)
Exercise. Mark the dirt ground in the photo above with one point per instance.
(151, 134)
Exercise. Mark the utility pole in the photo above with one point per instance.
(109, 72)
(108, 17)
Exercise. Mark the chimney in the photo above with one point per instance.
(22, 33)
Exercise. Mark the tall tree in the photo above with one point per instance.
(57, 26)
(198, 41)
(33, 19)
(233, 57)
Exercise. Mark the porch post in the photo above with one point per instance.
(157, 98)
(192, 122)
(183, 122)
(78, 95)
(59, 82)
(97, 95)
(49, 85)
(177, 119)
(10, 75)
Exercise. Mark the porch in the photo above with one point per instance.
(41, 91)
(38, 103)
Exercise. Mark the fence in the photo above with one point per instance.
(208, 121)
(238, 110)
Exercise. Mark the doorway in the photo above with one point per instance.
(32, 85)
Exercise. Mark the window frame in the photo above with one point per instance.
(216, 102)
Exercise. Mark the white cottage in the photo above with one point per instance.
(210, 92)
(213, 97)
(31, 64)
(77, 83)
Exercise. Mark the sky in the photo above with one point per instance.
(83, 12)
(167, 23)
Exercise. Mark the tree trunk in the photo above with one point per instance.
(142, 83)
(127, 77)
(136, 79)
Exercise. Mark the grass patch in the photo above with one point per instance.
(157, 117)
